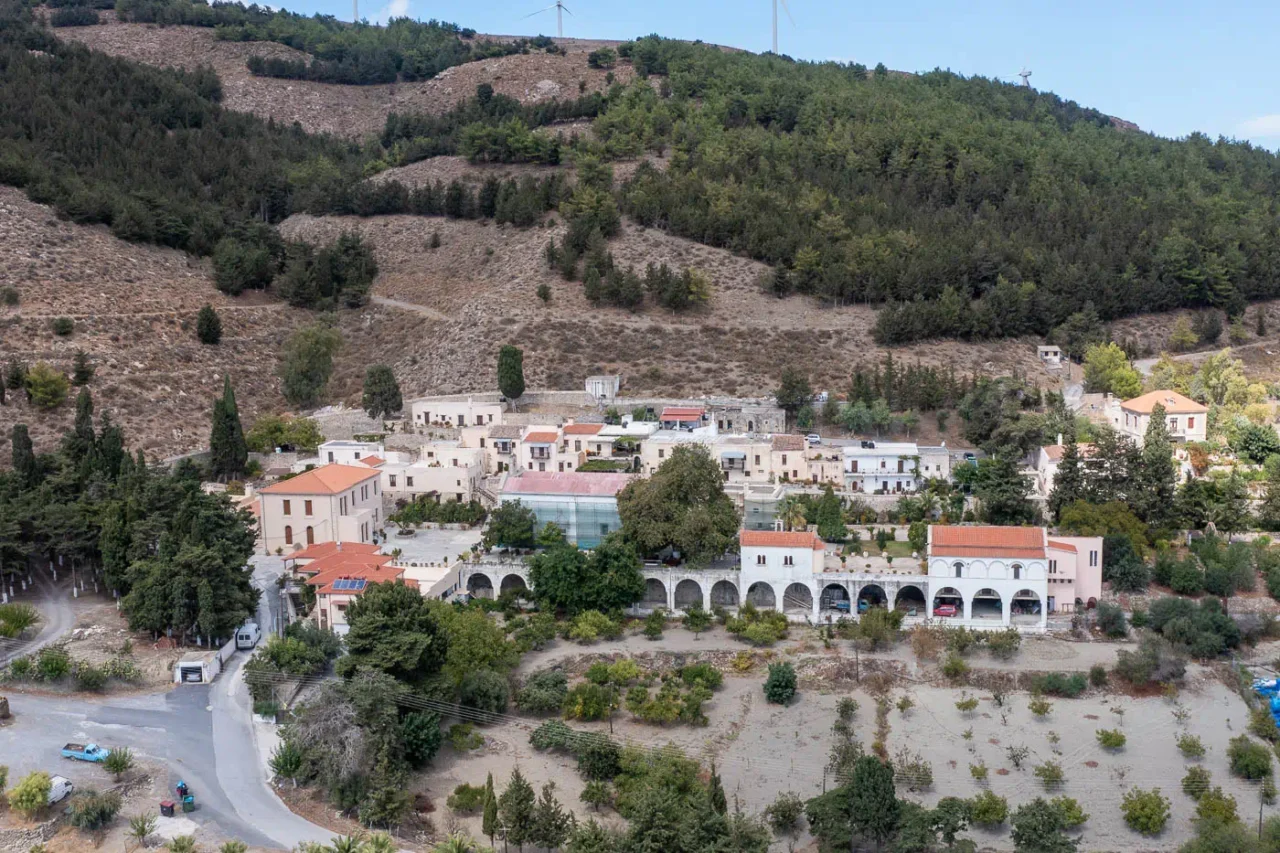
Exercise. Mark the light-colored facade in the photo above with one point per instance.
(584, 506)
(332, 503)
(1075, 573)
(1047, 462)
(1187, 419)
(444, 413)
(882, 466)
(444, 469)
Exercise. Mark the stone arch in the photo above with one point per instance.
(874, 595)
(987, 604)
(762, 596)
(480, 586)
(833, 595)
(688, 594)
(948, 595)
(512, 583)
(910, 596)
(978, 569)
(655, 593)
(797, 598)
(1026, 607)
(724, 594)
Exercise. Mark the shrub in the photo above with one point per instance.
(1248, 760)
(1040, 707)
(543, 692)
(486, 691)
(911, 769)
(1216, 807)
(599, 758)
(9, 296)
(597, 673)
(654, 624)
(1072, 814)
(1196, 782)
(1059, 684)
(92, 810)
(758, 627)
(955, 667)
(589, 701)
(780, 685)
(1111, 621)
(1145, 811)
(1050, 774)
(31, 794)
(422, 736)
(1262, 725)
(119, 761)
(53, 663)
(1098, 675)
(989, 809)
(623, 672)
(702, 675)
(967, 705)
(1190, 746)
(89, 678)
(553, 735)
(978, 772)
(466, 798)
(1154, 661)
(784, 813)
(463, 737)
(63, 326)
(596, 794)
(1004, 644)
(591, 625)
(1111, 738)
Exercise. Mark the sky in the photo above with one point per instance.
(1173, 67)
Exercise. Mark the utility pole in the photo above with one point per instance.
(355, 11)
(775, 26)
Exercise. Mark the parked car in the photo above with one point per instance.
(60, 788)
(248, 635)
(813, 438)
(863, 605)
(85, 752)
(945, 610)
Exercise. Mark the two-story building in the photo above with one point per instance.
(1187, 420)
(455, 413)
(332, 503)
(540, 450)
(444, 469)
(882, 466)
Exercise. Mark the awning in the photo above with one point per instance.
(733, 454)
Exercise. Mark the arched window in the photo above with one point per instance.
(1017, 571)
(311, 535)
(288, 535)
(959, 567)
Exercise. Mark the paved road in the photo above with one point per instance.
(54, 603)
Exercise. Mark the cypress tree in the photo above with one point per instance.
(382, 396)
(82, 369)
(517, 804)
(81, 440)
(208, 326)
(228, 452)
(1158, 478)
(715, 792)
(829, 516)
(1068, 483)
(24, 457)
(489, 823)
(511, 372)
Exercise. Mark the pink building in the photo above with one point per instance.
(1075, 572)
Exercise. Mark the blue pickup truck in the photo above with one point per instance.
(85, 752)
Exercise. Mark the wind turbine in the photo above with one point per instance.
(559, 7)
(786, 9)
(1025, 74)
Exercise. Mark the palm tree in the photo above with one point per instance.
(348, 844)
(379, 842)
(233, 847)
(791, 512)
(456, 843)
(182, 844)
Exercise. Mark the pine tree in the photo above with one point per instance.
(829, 515)
(24, 457)
(381, 392)
(551, 823)
(517, 805)
(228, 452)
(208, 326)
(715, 792)
(511, 372)
(82, 369)
(489, 823)
(1068, 482)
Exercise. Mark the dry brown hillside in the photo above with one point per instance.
(353, 111)
(134, 310)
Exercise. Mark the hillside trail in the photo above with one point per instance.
(131, 315)
(1145, 365)
(409, 306)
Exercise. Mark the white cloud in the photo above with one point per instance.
(394, 9)
(1261, 126)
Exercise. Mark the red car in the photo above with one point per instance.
(945, 610)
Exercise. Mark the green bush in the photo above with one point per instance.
(463, 737)
(422, 736)
(1050, 774)
(53, 663)
(1249, 760)
(92, 810)
(1190, 746)
(553, 735)
(1146, 812)
(1196, 782)
(758, 627)
(543, 692)
(89, 678)
(484, 690)
(1111, 621)
(587, 701)
(591, 625)
(31, 794)
(447, 512)
(1059, 684)
(1111, 738)
(1072, 814)
(1098, 675)
(780, 685)
(955, 667)
(989, 809)
(1004, 644)
(466, 798)
(784, 813)
(702, 674)
(63, 326)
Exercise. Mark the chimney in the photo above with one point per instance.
(1059, 439)
(339, 544)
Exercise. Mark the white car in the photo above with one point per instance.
(60, 788)
(813, 438)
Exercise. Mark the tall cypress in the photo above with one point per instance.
(715, 792)
(24, 457)
(1158, 478)
(1068, 483)
(228, 453)
(80, 442)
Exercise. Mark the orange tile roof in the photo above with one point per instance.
(1173, 402)
(682, 413)
(952, 541)
(328, 479)
(373, 461)
(1056, 451)
(1062, 546)
(787, 442)
(780, 539)
(376, 574)
(582, 429)
(336, 564)
(324, 549)
(542, 437)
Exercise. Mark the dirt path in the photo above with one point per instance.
(409, 306)
(1145, 365)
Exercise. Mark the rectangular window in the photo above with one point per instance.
(759, 559)
(408, 482)
(577, 447)
(1191, 424)
(1053, 567)
(462, 420)
(342, 508)
(788, 561)
(661, 453)
(757, 458)
(1173, 424)
(1093, 558)
(855, 466)
(482, 443)
(330, 455)
(306, 506)
(288, 508)
(784, 459)
(393, 481)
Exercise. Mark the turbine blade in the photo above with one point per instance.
(539, 12)
(787, 9)
(566, 9)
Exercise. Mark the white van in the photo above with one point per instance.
(248, 635)
(60, 787)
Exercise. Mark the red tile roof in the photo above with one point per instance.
(566, 483)
(326, 480)
(377, 574)
(1062, 546)
(373, 461)
(336, 564)
(780, 539)
(582, 429)
(951, 541)
(788, 442)
(542, 438)
(1056, 451)
(1173, 402)
(682, 413)
(324, 549)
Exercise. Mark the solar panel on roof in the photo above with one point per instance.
(348, 585)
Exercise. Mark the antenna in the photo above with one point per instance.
(1025, 74)
(559, 7)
